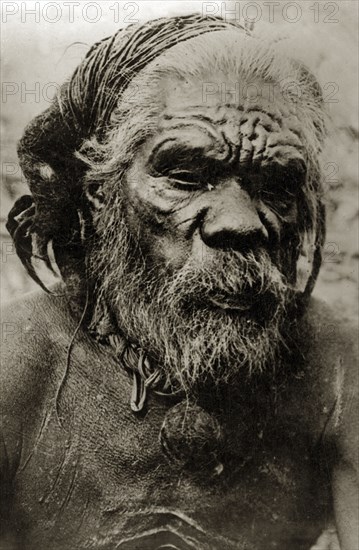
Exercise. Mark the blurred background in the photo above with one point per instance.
(42, 42)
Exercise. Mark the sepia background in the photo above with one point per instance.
(42, 42)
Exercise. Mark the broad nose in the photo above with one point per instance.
(232, 220)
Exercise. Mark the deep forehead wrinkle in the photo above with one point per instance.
(246, 135)
(242, 118)
(192, 134)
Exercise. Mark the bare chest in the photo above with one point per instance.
(102, 481)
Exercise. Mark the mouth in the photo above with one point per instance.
(230, 304)
(233, 302)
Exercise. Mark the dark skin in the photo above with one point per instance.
(199, 149)
(97, 478)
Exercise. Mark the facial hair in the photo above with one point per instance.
(174, 317)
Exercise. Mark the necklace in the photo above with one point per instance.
(145, 376)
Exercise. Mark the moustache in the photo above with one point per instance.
(229, 280)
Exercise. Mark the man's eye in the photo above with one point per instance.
(185, 178)
(281, 201)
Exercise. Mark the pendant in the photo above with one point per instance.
(193, 439)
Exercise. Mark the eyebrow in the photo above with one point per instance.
(172, 152)
(193, 115)
(183, 155)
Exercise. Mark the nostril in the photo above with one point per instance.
(234, 224)
(242, 241)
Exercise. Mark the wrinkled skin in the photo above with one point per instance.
(102, 478)
(82, 471)
(237, 148)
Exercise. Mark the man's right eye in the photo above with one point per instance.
(185, 179)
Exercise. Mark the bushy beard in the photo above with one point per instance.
(173, 316)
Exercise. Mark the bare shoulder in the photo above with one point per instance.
(325, 331)
(35, 310)
(331, 342)
(35, 330)
(32, 328)
(332, 347)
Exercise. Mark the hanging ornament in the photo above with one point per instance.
(192, 438)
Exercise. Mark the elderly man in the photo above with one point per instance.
(180, 389)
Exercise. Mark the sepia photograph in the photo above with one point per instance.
(179, 275)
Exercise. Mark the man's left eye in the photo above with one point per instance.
(281, 201)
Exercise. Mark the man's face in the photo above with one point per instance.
(209, 204)
(222, 173)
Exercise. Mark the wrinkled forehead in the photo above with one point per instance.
(252, 129)
(227, 82)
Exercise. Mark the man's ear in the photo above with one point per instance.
(305, 263)
(310, 257)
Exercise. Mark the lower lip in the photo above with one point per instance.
(232, 306)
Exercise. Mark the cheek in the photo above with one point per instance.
(162, 221)
(278, 226)
(283, 239)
